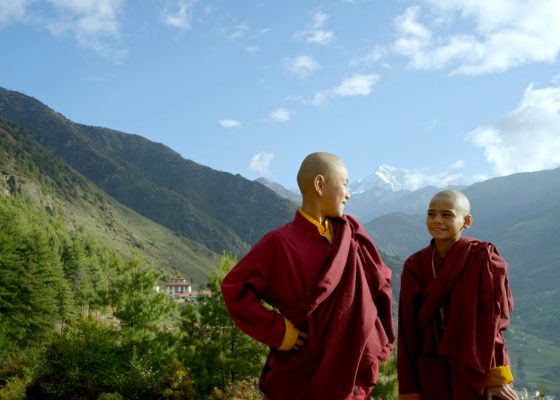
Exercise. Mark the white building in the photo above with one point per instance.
(179, 288)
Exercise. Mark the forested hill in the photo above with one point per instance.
(217, 209)
(57, 189)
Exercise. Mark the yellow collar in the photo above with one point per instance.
(324, 230)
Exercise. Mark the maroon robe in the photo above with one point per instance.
(471, 287)
(339, 294)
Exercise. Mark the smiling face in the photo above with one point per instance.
(335, 192)
(448, 214)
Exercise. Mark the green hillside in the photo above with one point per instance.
(217, 209)
(57, 189)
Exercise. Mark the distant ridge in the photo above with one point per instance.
(224, 212)
(293, 196)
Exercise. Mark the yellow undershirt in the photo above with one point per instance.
(324, 230)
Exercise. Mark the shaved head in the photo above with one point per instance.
(316, 164)
(460, 201)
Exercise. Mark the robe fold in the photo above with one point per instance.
(450, 357)
(339, 294)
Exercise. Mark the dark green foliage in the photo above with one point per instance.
(82, 363)
(175, 384)
(33, 293)
(92, 359)
(216, 351)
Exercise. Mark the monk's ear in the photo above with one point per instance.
(468, 221)
(319, 184)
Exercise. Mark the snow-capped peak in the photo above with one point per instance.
(389, 178)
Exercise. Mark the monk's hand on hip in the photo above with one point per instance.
(300, 342)
(505, 392)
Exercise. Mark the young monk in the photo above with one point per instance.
(331, 325)
(454, 307)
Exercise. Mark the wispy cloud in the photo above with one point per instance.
(502, 35)
(12, 10)
(180, 15)
(315, 34)
(302, 66)
(281, 115)
(94, 24)
(527, 138)
(239, 31)
(252, 49)
(457, 165)
(369, 59)
(229, 123)
(357, 85)
(260, 163)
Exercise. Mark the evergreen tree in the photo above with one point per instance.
(217, 352)
(32, 288)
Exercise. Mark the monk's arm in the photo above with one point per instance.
(242, 289)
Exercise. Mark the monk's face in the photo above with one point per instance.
(335, 191)
(445, 220)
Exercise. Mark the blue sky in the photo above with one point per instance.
(450, 91)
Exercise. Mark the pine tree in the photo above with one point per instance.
(218, 353)
(31, 278)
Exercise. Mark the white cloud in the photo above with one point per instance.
(457, 164)
(12, 10)
(370, 58)
(229, 123)
(302, 66)
(260, 163)
(433, 124)
(94, 23)
(357, 85)
(239, 31)
(180, 16)
(315, 34)
(527, 138)
(252, 49)
(502, 35)
(281, 115)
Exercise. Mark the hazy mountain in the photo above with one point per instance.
(292, 195)
(218, 209)
(368, 205)
(53, 186)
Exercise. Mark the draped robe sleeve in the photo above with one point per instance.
(339, 294)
